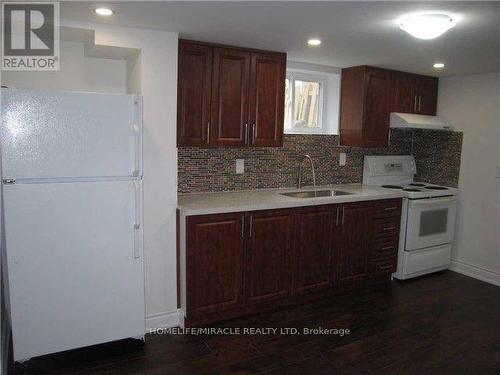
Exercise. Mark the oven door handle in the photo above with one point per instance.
(432, 201)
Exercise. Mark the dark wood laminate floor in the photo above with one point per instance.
(440, 324)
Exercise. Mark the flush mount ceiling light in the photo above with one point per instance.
(103, 11)
(314, 42)
(426, 25)
(438, 65)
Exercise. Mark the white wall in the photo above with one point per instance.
(5, 323)
(153, 75)
(77, 73)
(471, 103)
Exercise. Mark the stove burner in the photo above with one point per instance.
(436, 188)
(416, 184)
(392, 186)
(408, 189)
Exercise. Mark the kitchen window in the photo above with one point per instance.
(307, 110)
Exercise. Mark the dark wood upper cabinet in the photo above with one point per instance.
(369, 95)
(267, 99)
(268, 255)
(230, 96)
(427, 89)
(377, 107)
(231, 76)
(415, 94)
(193, 94)
(314, 230)
(214, 256)
(405, 96)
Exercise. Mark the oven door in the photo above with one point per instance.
(431, 222)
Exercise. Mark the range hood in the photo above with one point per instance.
(412, 121)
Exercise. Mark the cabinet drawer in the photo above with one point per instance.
(387, 227)
(388, 208)
(385, 249)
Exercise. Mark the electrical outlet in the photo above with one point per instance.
(240, 166)
(342, 158)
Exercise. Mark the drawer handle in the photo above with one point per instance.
(390, 208)
(388, 248)
(388, 228)
(385, 267)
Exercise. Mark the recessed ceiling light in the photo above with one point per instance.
(314, 42)
(426, 25)
(438, 65)
(103, 11)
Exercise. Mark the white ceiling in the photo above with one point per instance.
(353, 33)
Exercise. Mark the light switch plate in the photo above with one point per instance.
(342, 158)
(240, 166)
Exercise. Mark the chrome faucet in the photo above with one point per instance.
(299, 177)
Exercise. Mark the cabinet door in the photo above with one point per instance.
(193, 94)
(268, 255)
(214, 260)
(405, 95)
(427, 95)
(229, 115)
(267, 99)
(352, 252)
(313, 248)
(378, 103)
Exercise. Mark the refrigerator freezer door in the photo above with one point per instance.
(63, 134)
(76, 275)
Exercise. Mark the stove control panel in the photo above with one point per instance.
(393, 168)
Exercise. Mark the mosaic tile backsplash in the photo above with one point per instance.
(213, 169)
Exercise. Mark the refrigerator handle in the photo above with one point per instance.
(137, 151)
(137, 219)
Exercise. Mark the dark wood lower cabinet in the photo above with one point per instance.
(268, 255)
(214, 262)
(352, 253)
(241, 263)
(314, 231)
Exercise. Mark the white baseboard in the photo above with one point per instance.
(475, 272)
(164, 320)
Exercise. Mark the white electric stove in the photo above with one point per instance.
(427, 218)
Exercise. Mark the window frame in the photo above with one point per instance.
(296, 75)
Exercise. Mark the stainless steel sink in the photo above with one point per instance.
(315, 193)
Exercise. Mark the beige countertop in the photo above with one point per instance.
(264, 199)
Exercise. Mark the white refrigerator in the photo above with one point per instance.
(72, 185)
